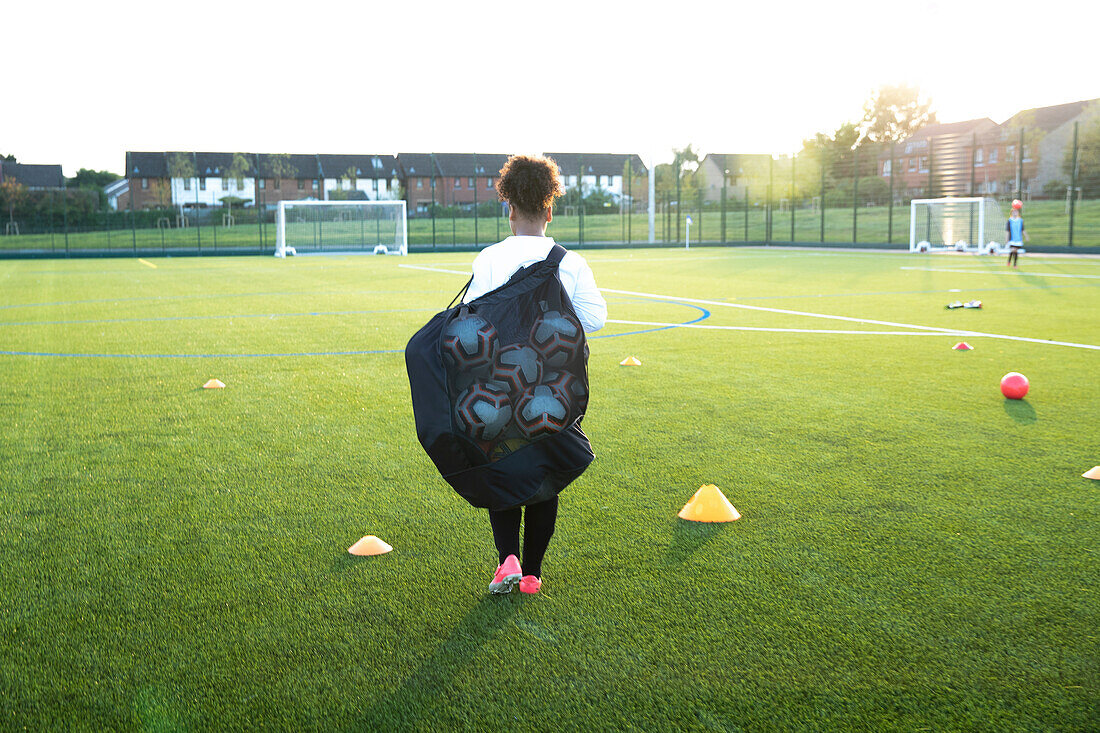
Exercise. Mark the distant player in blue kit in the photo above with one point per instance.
(1016, 234)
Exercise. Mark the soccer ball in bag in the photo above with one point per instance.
(483, 411)
(556, 337)
(517, 367)
(540, 411)
(569, 390)
(470, 344)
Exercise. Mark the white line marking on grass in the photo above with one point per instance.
(435, 269)
(777, 330)
(147, 264)
(951, 331)
(1006, 272)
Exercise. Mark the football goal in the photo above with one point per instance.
(378, 227)
(959, 224)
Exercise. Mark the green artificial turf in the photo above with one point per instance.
(915, 552)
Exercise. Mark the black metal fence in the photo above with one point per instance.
(857, 196)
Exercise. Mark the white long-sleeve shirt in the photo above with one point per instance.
(495, 264)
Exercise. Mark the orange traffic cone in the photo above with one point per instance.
(962, 346)
(1093, 472)
(214, 384)
(709, 505)
(370, 545)
(630, 361)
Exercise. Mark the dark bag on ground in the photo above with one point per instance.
(499, 388)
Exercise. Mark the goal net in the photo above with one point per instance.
(380, 227)
(960, 224)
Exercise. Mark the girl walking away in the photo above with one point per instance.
(529, 185)
(1016, 234)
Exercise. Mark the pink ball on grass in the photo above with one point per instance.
(1014, 386)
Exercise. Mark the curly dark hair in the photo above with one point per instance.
(529, 184)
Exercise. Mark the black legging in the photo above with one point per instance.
(1013, 255)
(536, 535)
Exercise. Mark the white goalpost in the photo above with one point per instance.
(377, 227)
(974, 224)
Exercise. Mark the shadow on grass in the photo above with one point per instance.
(689, 537)
(1021, 411)
(347, 561)
(429, 685)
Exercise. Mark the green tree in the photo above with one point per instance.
(8, 158)
(12, 194)
(93, 179)
(181, 165)
(350, 176)
(239, 168)
(279, 166)
(894, 113)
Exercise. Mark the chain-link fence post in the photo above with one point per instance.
(65, 213)
(855, 195)
(630, 201)
(768, 201)
(790, 201)
(890, 204)
(1072, 183)
(746, 238)
(1020, 168)
(580, 202)
(133, 223)
(821, 197)
(679, 196)
(973, 159)
(931, 194)
(725, 177)
(432, 156)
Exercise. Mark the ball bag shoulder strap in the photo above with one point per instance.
(461, 293)
(557, 252)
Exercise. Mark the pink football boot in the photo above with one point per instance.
(507, 575)
(529, 584)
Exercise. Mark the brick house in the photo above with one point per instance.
(288, 177)
(148, 183)
(1021, 156)
(737, 168)
(601, 171)
(1044, 134)
(935, 161)
(466, 178)
(364, 177)
(421, 177)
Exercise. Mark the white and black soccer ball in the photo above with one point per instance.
(540, 412)
(517, 367)
(557, 337)
(483, 411)
(470, 344)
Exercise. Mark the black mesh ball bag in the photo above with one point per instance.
(499, 388)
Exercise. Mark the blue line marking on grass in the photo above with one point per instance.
(704, 311)
(705, 314)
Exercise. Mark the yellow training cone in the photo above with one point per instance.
(630, 361)
(370, 545)
(709, 505)
(1093, 472)
(962, 346)
(214, 384)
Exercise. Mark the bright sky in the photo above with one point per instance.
(88, 81)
